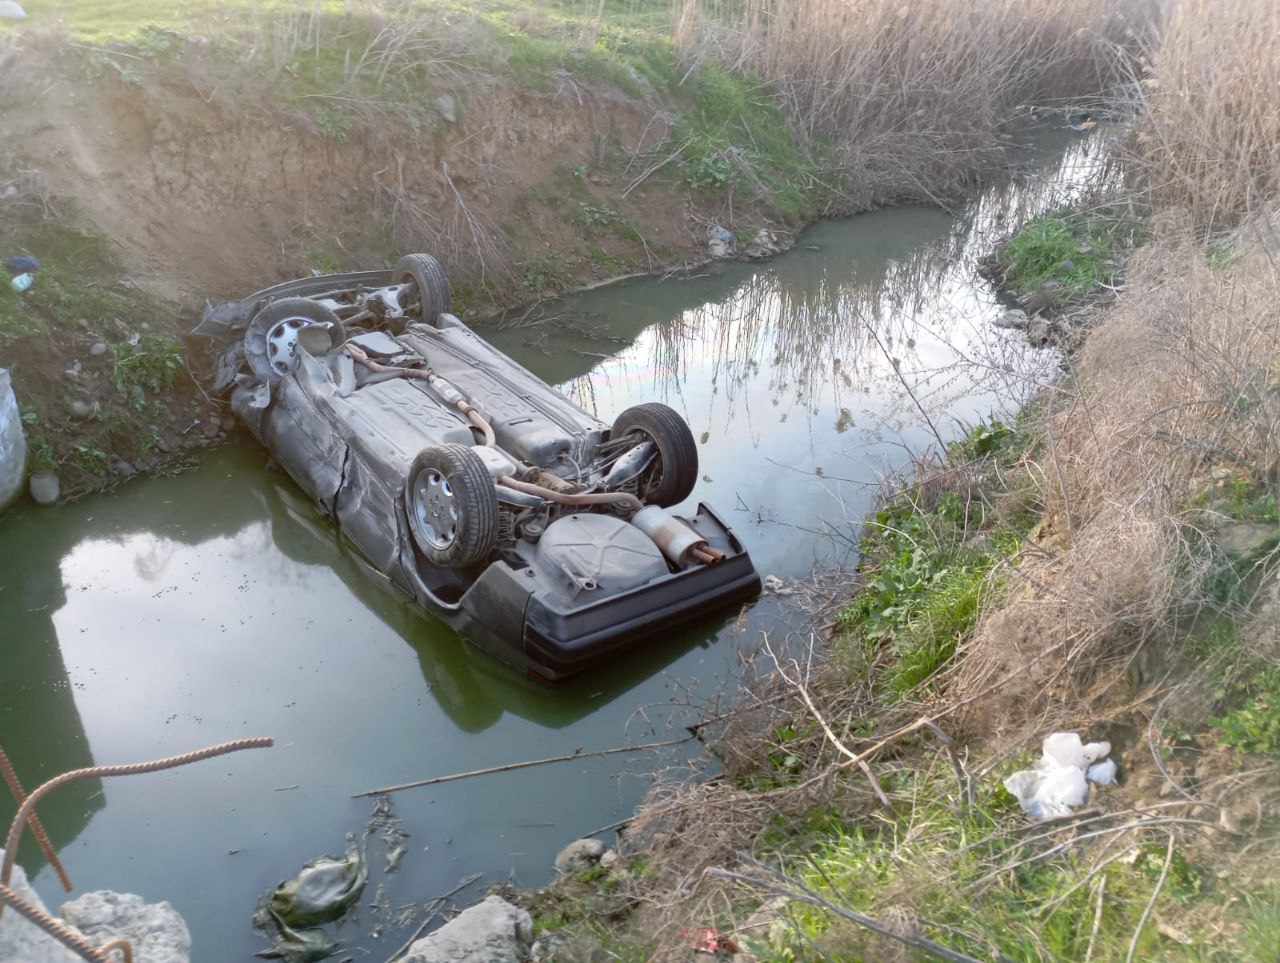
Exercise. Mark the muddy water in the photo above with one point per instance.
(183, 611)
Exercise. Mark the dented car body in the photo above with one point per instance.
(537, 531)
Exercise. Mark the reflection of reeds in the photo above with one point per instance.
(847, 321)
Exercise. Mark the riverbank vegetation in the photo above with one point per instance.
(1109, 564)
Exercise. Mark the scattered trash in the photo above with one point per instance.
(322, 892)
(21, 263)
(707, 939)
(9, 10)
(721, 243)
(1060, 780)
(23, 281)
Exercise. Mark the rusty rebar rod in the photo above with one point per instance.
(20, 796)
(99, 772)
(55, 928)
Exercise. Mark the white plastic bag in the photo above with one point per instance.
(1060, 780)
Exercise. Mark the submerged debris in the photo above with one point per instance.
(324, 890)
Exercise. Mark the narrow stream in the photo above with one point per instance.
(183, 611)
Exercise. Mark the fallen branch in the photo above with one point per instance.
(1146, 913)
(521, 765)
(436, 903)
(797, 891)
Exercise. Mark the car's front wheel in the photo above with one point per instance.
(452, 506)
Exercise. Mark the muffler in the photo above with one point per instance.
(676, 540)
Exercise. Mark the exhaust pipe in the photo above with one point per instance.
(677, 541)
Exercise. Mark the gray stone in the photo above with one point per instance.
(447, 105)
(493, 931)
(98, 349)
(1066, 267)
(1247, 540)
(579, 855)
(157, 931)
(13, 443)
(1039, 332)
(45, 488)
(20, 940)
(1013, 318)
(610, 859)
(123, 469)
(81, 409)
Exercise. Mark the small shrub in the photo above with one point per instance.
(1254, 726)
(335, 123)
(149, 366)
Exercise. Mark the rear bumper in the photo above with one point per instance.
(558, 645)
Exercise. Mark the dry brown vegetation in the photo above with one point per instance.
(911, 98)
(1211, 136)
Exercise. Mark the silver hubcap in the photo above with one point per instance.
(282, 343)
(435, 511)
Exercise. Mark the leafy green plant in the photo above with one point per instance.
(1079, 251)
(91, 458)
(546, 274)
(1254, 725)
(335, 123)
(595, 217)
(149, 366)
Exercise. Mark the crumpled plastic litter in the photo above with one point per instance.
(21, 263)
(1060, 780)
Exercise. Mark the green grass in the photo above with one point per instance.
(1079, 251)
(1253, 724)
(734, 136)
(943, 860)
(926, 571)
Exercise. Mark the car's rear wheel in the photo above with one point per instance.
(428, 292)
(670, 479)
(271, 340)
(452, 506)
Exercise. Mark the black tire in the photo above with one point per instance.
(431, 294)
(263, 353)
(452, 506)
(671, 480)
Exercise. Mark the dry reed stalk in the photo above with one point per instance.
(1210, 138)
(912, 96)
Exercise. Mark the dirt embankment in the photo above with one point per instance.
(154, 196)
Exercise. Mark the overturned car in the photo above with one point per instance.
(535, 530)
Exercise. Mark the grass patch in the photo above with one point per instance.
(733, 135)
(1076, 252)
(939, 865)
(927, 569)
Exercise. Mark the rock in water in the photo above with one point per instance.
(45, 488)
(493, 931)
(156, 930)
(579, 855)
(19, 938)
(13, 443)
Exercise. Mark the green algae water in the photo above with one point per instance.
(183, 611)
